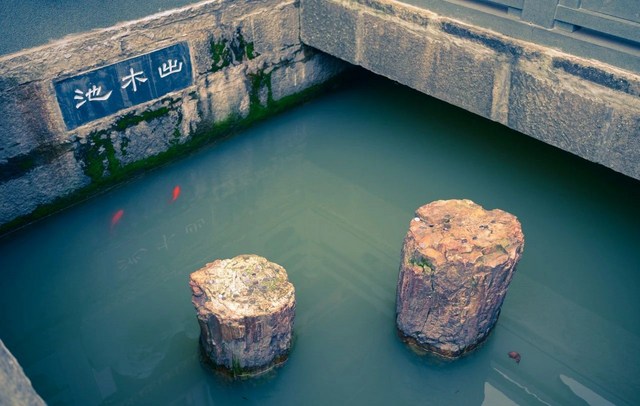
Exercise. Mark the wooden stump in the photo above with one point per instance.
(457, 262)
(246, 307)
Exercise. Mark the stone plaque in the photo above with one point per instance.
(107, 90)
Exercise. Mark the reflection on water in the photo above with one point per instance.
(584, 392)
(101, 314)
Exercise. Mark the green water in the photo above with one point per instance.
(102, 315)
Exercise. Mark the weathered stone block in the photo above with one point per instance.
(133, 143)
(623, 149)
(245, 307)
(589, 120)
(318, 18)
(265, 31)
(309, 71)
(463, 74)
(41, 185)
(25, 120)
(457, 262)
(395, 51)
(223, 94)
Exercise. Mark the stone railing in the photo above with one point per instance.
(606, 31)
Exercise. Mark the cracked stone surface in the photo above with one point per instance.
(245, 307)
(457, 262)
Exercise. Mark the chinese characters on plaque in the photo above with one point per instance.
(104, 91)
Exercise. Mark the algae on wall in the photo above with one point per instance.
(230, 51)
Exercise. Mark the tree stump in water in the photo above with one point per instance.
(246, 307)
(457, 262)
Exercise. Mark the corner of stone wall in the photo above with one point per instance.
(248, 62)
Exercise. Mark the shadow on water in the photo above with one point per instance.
(102, 314)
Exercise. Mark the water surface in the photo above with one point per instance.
(102, 315)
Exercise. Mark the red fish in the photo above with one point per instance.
(116, 217)
(175, 194)
(515, 356)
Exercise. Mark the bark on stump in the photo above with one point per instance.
(457, 262)
(246, 307)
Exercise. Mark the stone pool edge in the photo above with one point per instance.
(15, 386)
(248, 64)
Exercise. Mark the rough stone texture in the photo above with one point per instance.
(473, 67)
(328, 24)
(457, 262)
(15, 387)
(591, 121)
(40, 185)
(263, 62)
(581, 105)
(246, 307)
(411, 54)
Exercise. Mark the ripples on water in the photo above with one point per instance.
(101, 314)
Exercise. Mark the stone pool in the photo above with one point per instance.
(98, 310)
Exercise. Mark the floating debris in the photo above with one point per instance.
(515, 356)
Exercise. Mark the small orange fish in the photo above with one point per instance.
(515, 356)
(116, 217)
(175, 194)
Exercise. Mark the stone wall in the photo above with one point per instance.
(580, 105)
(247, 62)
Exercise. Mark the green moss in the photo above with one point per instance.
(226, 52)
(220, 55)
(424, 263)
(258, 82)
(243, 48)
(236, 369)
(177, 134)
(124, 143)
(132, 119)
(175, 140)
(99, 156)
(249, 50)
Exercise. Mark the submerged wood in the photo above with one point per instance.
(457, 262)
(245, 307)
